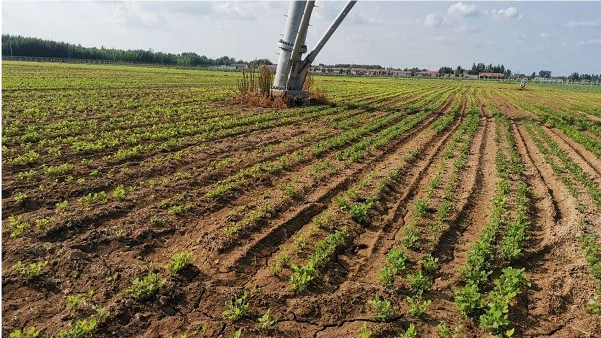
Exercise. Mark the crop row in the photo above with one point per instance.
(502, 240)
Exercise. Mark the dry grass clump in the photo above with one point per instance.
(254, 91)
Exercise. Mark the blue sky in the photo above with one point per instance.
(524, 36)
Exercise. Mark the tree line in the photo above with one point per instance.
(476, 69)
(16, 45)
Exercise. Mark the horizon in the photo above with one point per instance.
(560, 37)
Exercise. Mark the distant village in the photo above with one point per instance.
(423, 73)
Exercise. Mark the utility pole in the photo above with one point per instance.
(291, 69)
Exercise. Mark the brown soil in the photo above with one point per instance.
(104, 246)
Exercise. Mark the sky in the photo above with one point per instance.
(526, 37)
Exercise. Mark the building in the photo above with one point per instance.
(491, 75)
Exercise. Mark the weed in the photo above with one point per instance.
(282, 259)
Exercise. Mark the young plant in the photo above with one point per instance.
(365, 332)
(75, 302)
(420, 207)
(236, 334)
(417, 305)
(237, 308)
(179, 262)
(419, 282)
(410, 333)
(302, 275)
(80, 329)
(468, 300)
(266, 322)
(145, 288)
(17, 225)
(119, 193)
(20, 197)
(31, 271)
(383, 308)
(445, 332)
(281, 260)
(429, 263)
(30, 332)
(359, 211)
(411, 238)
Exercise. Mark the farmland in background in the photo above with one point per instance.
(143, 202)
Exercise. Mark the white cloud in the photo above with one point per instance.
(360, 19)
(359, 38)
(235, 10)
(506, 13)
(544, 35)
(433, 20)
(461, 9)
(582, 24)
(445, 40)
(589, 42)
(132, 14)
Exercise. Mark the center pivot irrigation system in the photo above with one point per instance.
(291, 70)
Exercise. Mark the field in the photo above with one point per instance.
(142, 202)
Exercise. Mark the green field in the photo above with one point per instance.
(143, 201)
